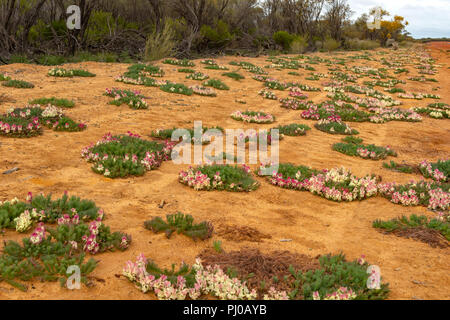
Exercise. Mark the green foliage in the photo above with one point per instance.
(224, 177)
(172, 275)
(441, 165)
(160, 44)
(4, 77)
(357, 44)
(217, 245)
(293, 129)
(404, 168)
(284, 39)
(64, 103)
(125, 155)
(331, 44)
(182, 63)
(182, 224)
(176, 88)
(353, 147)
(218, 36)
(216, 84)
(333, 127)
(20, 84)
(166, 134)
(131, 98)
(49, 210)
(233, 75)
(414, 221)
(82, 73)
(335, 272)
(186, 70)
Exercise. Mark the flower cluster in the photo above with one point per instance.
(210, 280)
(218, 177)
(252, 117)
(197, 76)
(132, 98)
(110, 158)
(434, 195)
(336, 184)
(334, 125)
(266, 94)
(382, 115)
(203, 91)
(60, 72)
(432, 170)
(38, 235)
(343, 293)
(296, 92)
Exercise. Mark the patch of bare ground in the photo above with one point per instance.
(430, 236)
(262, 270)
(241, 233)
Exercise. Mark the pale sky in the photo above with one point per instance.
(427, 18)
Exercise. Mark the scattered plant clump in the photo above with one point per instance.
(166, 134)
(352, 147)
(435, 110)
(125, 155)
(253, 117)
(219, 177)
(63, 103)
(20, 84)
(438, 171)
(181, 63)
(334, 125)
(266, 94)
(435, 232)
(48, 252)
(27, 122)
(216, 84)
(293, 130)
(203, 91)
(141, 74)
(282, 275)
(335, 184)
(132, 98)
(186, 70)
(64, 73)
(233, 75)
(433, 195)
(404, 168)
(197, 76)
(182, 224)
(176, 88)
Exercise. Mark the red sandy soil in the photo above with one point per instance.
(51, 163)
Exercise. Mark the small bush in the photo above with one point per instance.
(331, 44)
(20, 84)
(283, 39)
(219, 177)
(64, 103)
(299, 45)
(293, 129)
(182, 224)
(357, 44)
(159, 44)
(176, 88)
(233, 75)
(216, 84)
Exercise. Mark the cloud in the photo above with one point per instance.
(426, 18)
